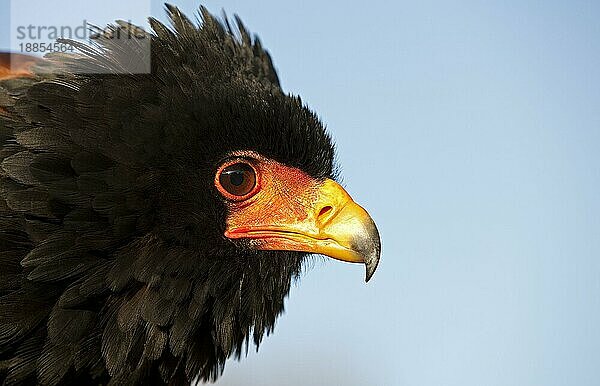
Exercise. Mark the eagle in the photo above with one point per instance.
(151, 223)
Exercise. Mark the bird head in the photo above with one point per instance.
(258, 159)
(194, 192)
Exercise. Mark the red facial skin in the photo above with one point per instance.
(282, 196)
(287, 210)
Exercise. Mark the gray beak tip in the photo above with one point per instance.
(373, 253)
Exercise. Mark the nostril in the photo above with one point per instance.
(324, 213)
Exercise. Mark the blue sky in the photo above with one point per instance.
(471, 133)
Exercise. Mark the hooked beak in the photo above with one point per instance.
(322, 219)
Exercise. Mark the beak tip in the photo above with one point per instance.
(372, 257)
(371, 266)
(374, 254)
(369, 275)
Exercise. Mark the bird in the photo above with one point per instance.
(152, 223)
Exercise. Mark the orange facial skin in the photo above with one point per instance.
(289, 210)
(280, 198)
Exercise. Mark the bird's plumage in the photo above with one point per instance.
(114, 268)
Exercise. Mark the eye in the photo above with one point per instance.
(238, 179)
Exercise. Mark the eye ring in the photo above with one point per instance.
(237, 180)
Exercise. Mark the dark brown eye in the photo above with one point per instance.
(238, 179)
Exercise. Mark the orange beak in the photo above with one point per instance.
(296, 213)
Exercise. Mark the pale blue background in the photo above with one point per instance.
(471, 132)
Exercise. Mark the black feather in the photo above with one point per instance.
(113, 268)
